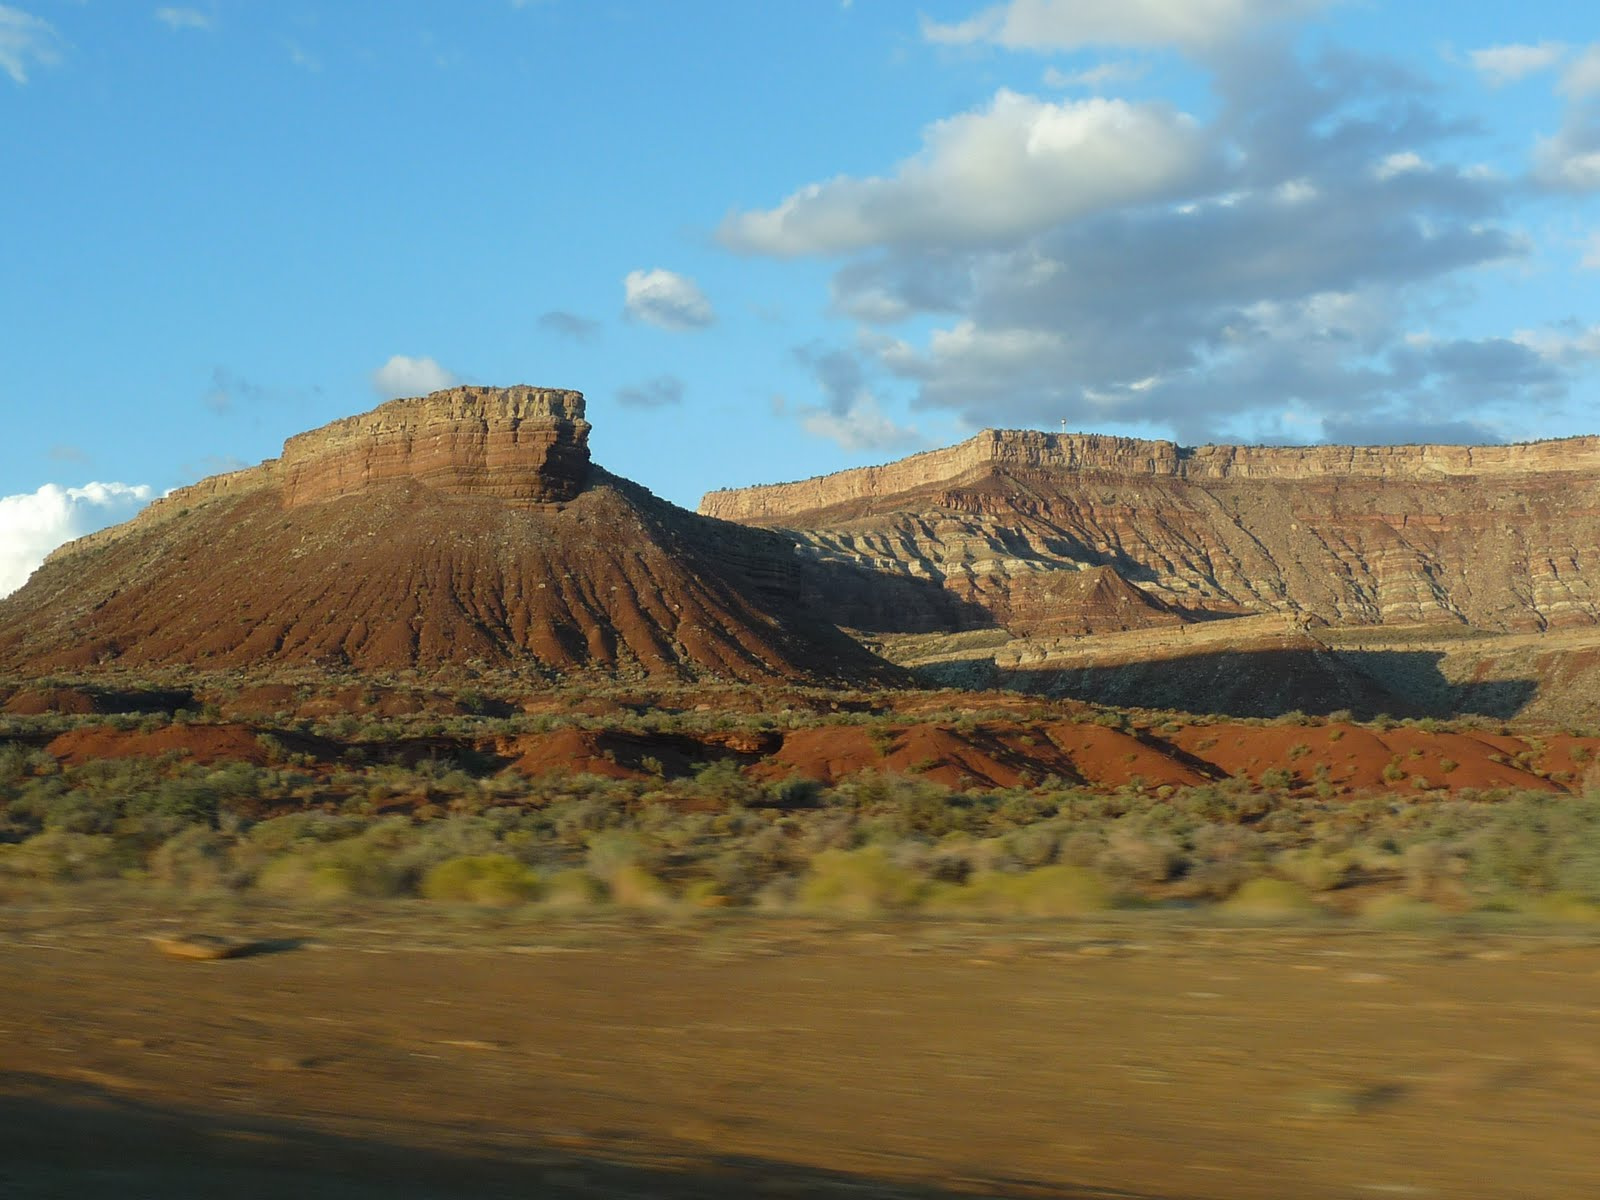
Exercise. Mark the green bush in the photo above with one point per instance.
(61, 857)
(490, 879)
(573, 888)
(1053, 891)
(860, 882)
(195, 860)
(1269, 897)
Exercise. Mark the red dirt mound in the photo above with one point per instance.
(197, 743)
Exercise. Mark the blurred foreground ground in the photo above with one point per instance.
(393, 1051)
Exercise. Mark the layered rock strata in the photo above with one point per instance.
(1498, 537)
(465, 527)
(522, 444)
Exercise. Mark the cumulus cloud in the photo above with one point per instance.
(1569, 159)
(26, 41)
(1006, 171)
(1582, 78)
(405, 376)
(1268, 298)
(661, 392)
(850, 415)
(1507, 64)
(666, 299)
(569, 325)
(34, 523)
(1071, 24)
(183, 18)
(862, 426)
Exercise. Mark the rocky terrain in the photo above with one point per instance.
(463, 527)
(1224, 578)
(1496, 537)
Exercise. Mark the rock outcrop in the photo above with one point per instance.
(465, 527)
(520, 444)
(1496, 537)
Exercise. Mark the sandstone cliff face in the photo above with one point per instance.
(520, 443)
(1097, 454)
(1500, 537)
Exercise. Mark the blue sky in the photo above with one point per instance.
(772, 240)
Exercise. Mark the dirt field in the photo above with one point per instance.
(391, 1051)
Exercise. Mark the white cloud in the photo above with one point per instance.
(1591, 253)
(1582, 78)
(862, 426)
(1399, 163)
(1507, 64)
(667, 299)
(1070, 24)
(1009, 170)
(34, 523)
(183, 18)
(1575, 344)
(26, 39)
(1570, 160)
(1096, 76)
(405, 376)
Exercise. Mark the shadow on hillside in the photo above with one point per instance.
(883, 602)
(59, 1138)
(1270, 683)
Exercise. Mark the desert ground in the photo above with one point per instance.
(396, 1050)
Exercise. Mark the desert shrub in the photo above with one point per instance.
(490, 879)
(1314, 868)
(1269, 897)
(1139, 857)
(82, 812)
(281, 833)
(364, 866)
(58, 856)
(725, 783)
(1081, 847)
(1538, 844)
(1054, 891)
(634, 887)
(612, 850)
(920, 807)
(1561, 906)
(861, 882)
(575, 820)
(572, 888)
(197, 859)
(1033, 846)
(1433, 871)
(705, 893)
(1024, 808)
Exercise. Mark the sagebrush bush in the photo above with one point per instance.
(198, 859)
(1053, 891)
(860, 882)
(490, 879)
(1269, 897)
(61, 857)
